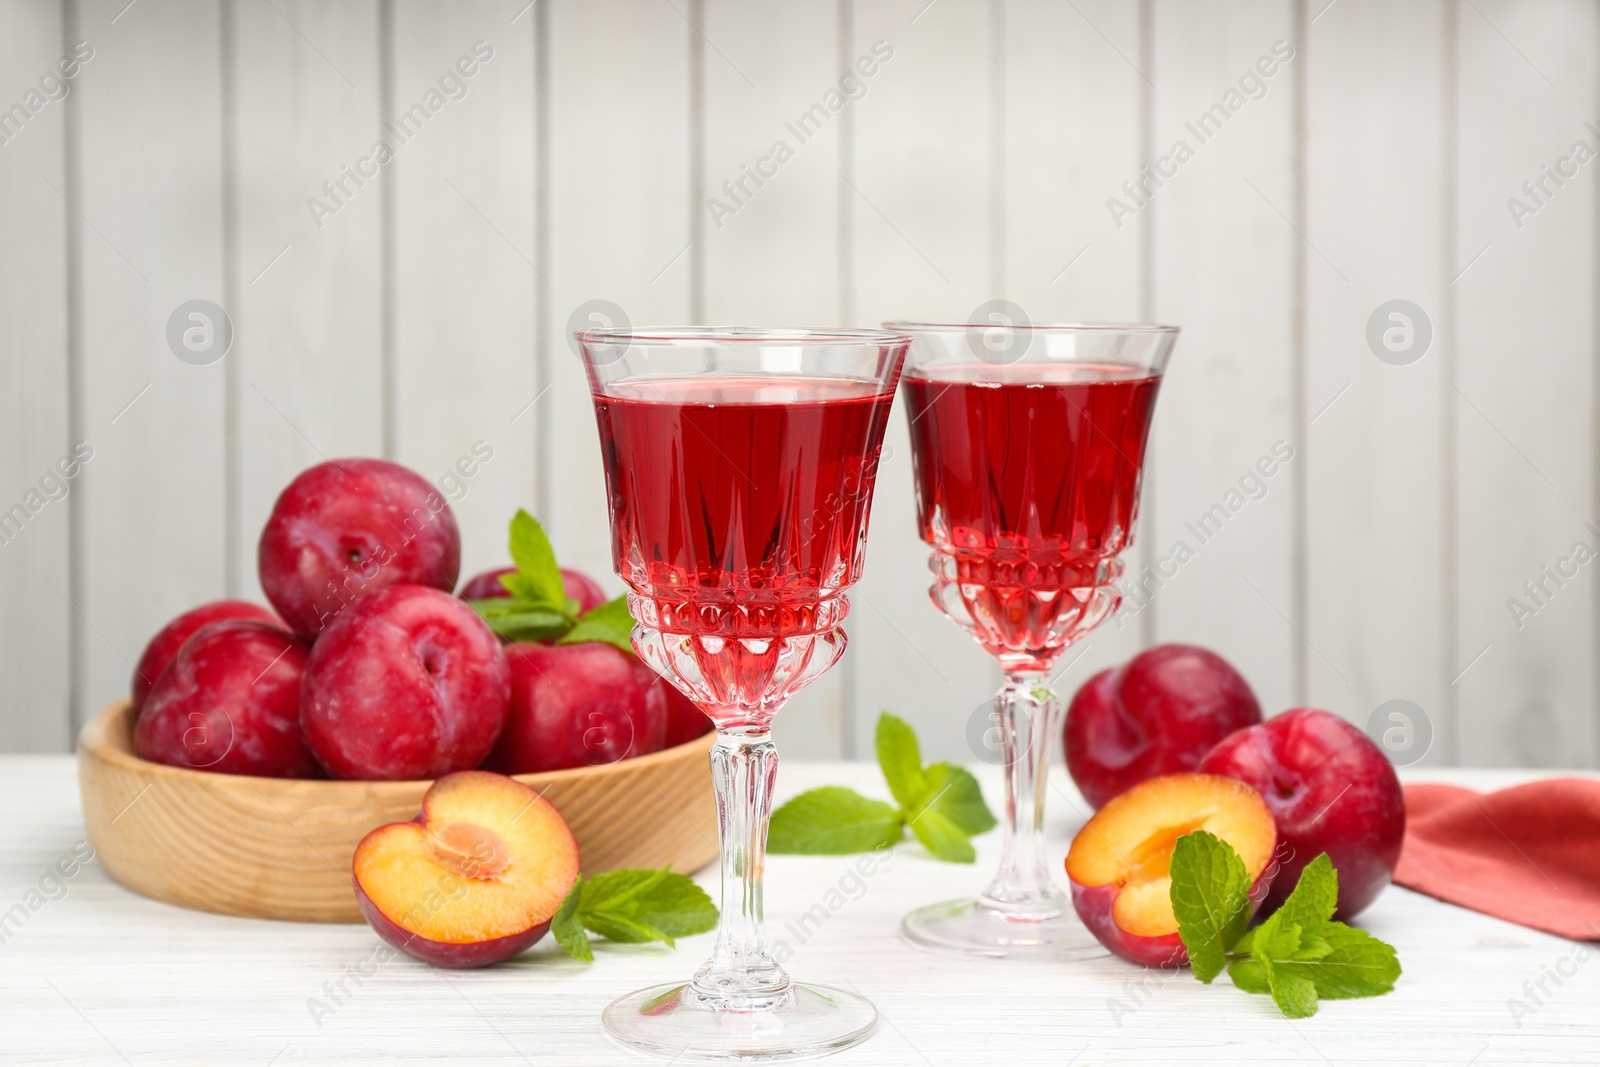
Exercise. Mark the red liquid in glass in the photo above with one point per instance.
(739, 510)
(1027, 482)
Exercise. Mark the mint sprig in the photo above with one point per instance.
(834, 821)
(1210, 902)
(609, 622)
(900, 759)
(537, 577)
(632, 906)
(516, 620)
(940, 802)
(538, 608)
(1297, 956)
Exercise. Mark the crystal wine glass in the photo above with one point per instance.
(740, 466)
(1027, 444)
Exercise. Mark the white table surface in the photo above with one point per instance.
(103, 976)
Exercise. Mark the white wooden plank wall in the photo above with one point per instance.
(922, 248)
(1223, 263)
(465, 262)
(1075, 80)
(425, 315)
(618, 217)
(1372, 436)
(307, 365)
(35, 661)
(147, 181)
(772, 259)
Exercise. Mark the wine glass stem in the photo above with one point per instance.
(1028, 711)
(741, 975)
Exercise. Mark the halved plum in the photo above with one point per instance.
(473, 880)
(1119, 862)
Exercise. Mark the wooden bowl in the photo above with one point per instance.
(275, 848)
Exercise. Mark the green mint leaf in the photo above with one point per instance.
(1250, 975)
(566, 928)
(636, 905)
(833, 821)
(621, 889)
(495, 607)
(1210, 899)
(941, 836)
(1277, 943)
(517, 621)
(1314, 944)
(901, 759)
(536, 561)
(623, 928)
(941, 803)
(1315, 896)
(954, 793)
(608, 622)
(1345, 963)
(1276, 940)
(1294, 994)
(677, 906)
(524, 589)
(1304, 955)
(1299, 954)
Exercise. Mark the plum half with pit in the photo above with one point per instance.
(474, 879)
(1120, 862)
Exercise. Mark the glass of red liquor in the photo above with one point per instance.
(1028, 444)
(740, 465)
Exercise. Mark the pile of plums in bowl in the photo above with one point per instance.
(369, 666)
(1174, 741)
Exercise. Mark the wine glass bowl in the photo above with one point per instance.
(739, 469)
(1027, 471)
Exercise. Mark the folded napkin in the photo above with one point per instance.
(1529, 854)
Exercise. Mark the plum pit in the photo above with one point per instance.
(1152, 858)
(469, 850)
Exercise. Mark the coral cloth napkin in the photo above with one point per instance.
(1529, 854)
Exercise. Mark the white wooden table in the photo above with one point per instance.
(100, 975)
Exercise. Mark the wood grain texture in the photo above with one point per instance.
(97, 975)
(271, 848)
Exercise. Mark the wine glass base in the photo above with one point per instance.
(816, 1021)
(962, 928)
